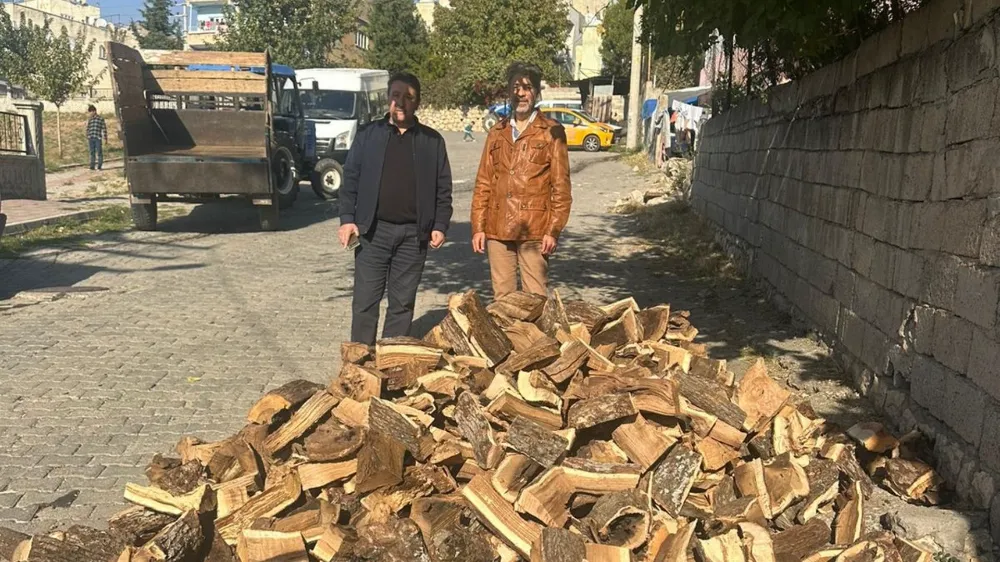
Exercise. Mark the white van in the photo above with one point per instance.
(338, 101)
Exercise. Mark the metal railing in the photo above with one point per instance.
(13, 133)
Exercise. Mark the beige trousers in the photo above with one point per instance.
(505, 258)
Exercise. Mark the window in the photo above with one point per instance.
(361, 40)
(288, 100)
(102, 52)
(563, 117)
(330, 104)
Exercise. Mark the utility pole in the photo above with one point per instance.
(634, 93)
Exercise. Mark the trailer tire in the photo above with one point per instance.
(286, 182)
(327, 179)
(268, 215)
(144, 215)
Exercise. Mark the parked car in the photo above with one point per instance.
(499, 110)
(581, 130)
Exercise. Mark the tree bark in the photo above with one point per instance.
(59, 131)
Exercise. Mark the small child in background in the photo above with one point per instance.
(467, 137)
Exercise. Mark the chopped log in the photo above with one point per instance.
(536, 388)
(708, 396)
(476, 429)
(595, 411)
(268, 503)
(909, 479)
(721, 548)
(356, 382)
(233, 459)
(318, 474)
(824, 484)
(572, 356)
(762, 445)
(800, 541)
(558, 545)
(786, 483)
(137, 525)
(165, 502)
(399, 352)
(301, 421)
(356, 353)
(332, 441)
(268, 546)
(617, 308)
(716, 455)
(538, 443)
(591, 316)
(452, 337)
(440, 383)
(711, 370)
(518, 305)
(847, 463)
(43, 548)
(759, 396)
(733, 512)
(674, 547)
(626, 329)
(9, 541)
(513, 474)
(553, 317)
(655, 321)
(180, 541)
(523, 335)
(620, 519)
(672, 477)
(447, 540)
(285, 397)
(542, 353)
(171, 475)
(380, 462)
(671, 356)
(387, 418)
(486, 338)
(873, 437)
(865, 551)
(494, 512)
(643, 441)
(757, 542)
(192, 448)
(749, 478)
(230, 496)
(826, 553)
(607, 553)
(656, 396)
(602, 451)
(548, 496)
(332, 543)
(912, 552)
(99, 542)
(850, 520)
(508, 406)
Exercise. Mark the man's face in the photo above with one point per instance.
(403, 102)
(523, 96)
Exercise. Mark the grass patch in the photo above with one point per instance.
(68, 232)
(74, 140)
(112, 185)
(682, 239)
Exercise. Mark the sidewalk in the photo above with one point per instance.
(68, 200)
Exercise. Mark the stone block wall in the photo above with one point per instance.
(867, 197)
(452, 118)
(22, 176)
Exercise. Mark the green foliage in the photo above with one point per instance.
(400, 39)
(158, 30)
(299, 33)
(476, 40)
(56, 65)
(616, 39)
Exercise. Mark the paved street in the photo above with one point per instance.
(112, 353)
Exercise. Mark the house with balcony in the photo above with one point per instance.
(203, 21)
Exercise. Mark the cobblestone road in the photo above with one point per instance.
(180, 331)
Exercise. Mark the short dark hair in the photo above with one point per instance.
(91, 108)
(519, 70)
(407, 78)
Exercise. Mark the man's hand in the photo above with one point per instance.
(548, 245)
(437, 239)
(345, 232)
(479, 242)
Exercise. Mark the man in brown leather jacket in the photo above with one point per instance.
(522, 196)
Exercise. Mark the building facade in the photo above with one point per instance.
(76, 16)
(425, 9)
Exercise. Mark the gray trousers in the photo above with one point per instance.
(391, 257)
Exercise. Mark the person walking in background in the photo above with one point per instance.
(467, 136)
(522, 196)
(97, 132)
(396, 200)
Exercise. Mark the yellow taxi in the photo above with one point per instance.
(582, 130)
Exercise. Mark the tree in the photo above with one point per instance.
(158, 29)
(616, 39)
(299, 33)
(476, 40)
(400, 39)
(55, 66)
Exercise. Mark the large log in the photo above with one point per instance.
(486, 338)
(386, 417)
(285, 397)
(301, 421)
(494, 512)
(268, 503)
(673, 476)
(558, 545)
(595, 411)
(538, 443)
(473, 425)
(380, 462)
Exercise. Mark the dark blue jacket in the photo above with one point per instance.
(363, 178)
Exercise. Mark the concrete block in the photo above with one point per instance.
(932, 126)
(952, 341)
(851, 331)
(909, 275)
(875, 217)
(891, 314)
(978, 294)
(868, 56)
(989, 250)
(871, 163)
(942, 281)
(989, 449)
(904, 139)
(984, 487)
(971, 111)
(843, 286)
(961, 227)
(941, 22)
(970, 58)
(927, 383)
(883, 264)
(902, 221)
(862, 254)
(922, 333)
(971, 169)
(984, 362)
(963, 406)
(914, 38)
(926, 218)
(866, 295)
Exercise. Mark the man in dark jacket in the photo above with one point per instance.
(396, 199)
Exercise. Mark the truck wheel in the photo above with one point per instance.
(286, 182)
(490, 121)
(591, 143)
(327, 179)
(144, 215)
(268, 215)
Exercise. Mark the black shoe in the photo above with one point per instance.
(91, 167)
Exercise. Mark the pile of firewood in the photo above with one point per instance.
(530, 429)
